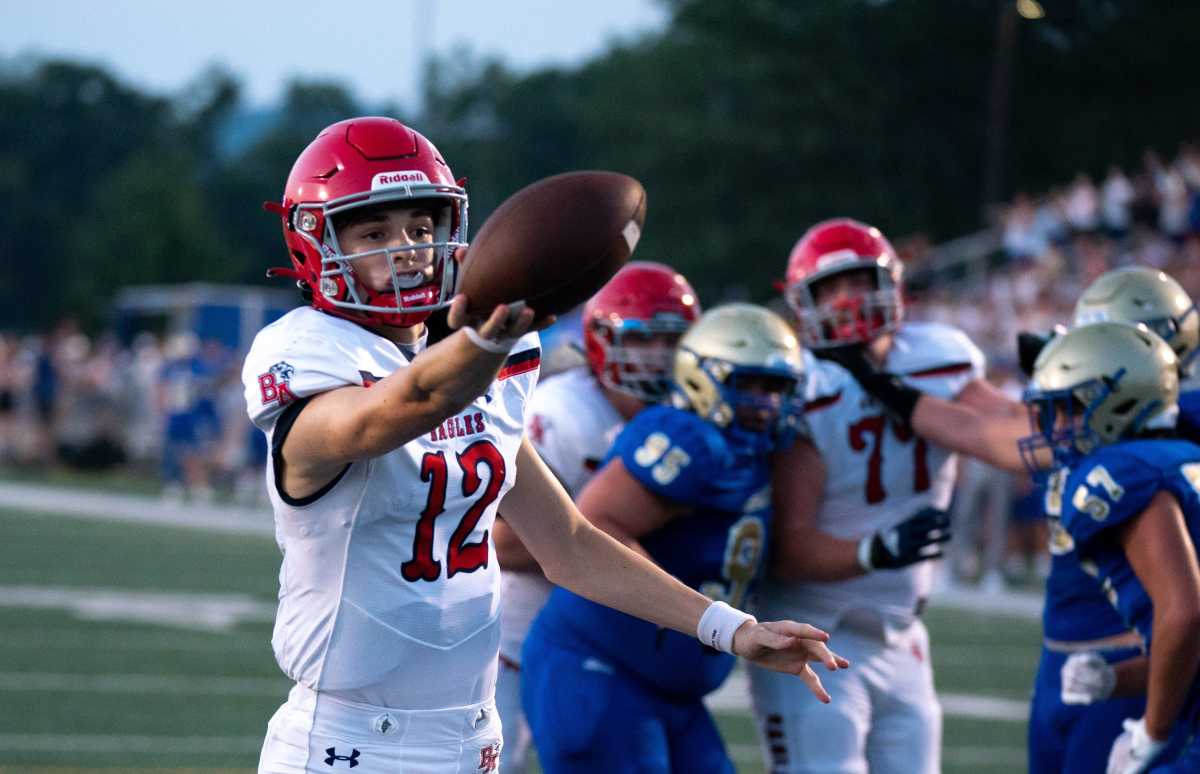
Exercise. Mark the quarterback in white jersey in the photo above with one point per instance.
(630, 328)
(861, 511)
(388, 461)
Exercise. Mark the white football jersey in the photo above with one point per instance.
(877, 474)
(389, 588)
(572, 425)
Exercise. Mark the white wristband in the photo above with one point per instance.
(864, 553)
(718, 624)
(496, 346)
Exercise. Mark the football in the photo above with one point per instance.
(554, 243)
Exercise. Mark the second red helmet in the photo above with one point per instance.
(833, 247)
(631, 325)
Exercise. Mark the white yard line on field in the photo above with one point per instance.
(1003, 758)
(145, 684)
(89, 504)
(734, 696)
(186, 610)
(105, 743)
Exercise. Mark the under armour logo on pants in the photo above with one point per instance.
(352, 758)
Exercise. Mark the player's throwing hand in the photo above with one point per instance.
(787, 646)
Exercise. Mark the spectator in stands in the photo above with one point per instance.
(1082, 205)
(1022, 238)
(1116, 199)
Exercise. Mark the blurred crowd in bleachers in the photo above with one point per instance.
(1053, 245)
(171, 408)
(167, 407)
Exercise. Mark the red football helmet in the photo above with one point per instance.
(642, 300)
(361, 162)
(833, 247)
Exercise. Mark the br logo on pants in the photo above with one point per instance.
(352, 758)
(489, 757)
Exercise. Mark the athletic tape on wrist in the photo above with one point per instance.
(496, 346)
(718, 624)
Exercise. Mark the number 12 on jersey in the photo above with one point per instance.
(460, 555)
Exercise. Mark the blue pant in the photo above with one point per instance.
(588, 716)
(1074, 739)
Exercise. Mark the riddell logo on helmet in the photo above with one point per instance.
(836, 257)
(399, 177)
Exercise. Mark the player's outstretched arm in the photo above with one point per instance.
(990, 436)
(510, 551)
(578, 556)
(981, 421)
(1162, 555)
(357, 423)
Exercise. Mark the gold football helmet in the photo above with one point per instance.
(1139, 294)
(1095, 385)
(732, 341)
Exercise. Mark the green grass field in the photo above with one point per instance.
(89, 681)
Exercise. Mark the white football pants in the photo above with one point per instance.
(315, 733)
(884, 718)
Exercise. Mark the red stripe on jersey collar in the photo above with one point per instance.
(521, 363)
(820, 403)
(946, 370)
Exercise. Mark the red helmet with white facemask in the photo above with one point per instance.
(833, 247)
(364, 162)
(626, 322)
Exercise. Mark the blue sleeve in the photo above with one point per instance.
(1108, 489)
(672, 453)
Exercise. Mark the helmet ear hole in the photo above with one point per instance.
(1124, 407)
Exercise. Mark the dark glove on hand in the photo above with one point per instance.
(898, 398)
(916, 539)
(1029, 346)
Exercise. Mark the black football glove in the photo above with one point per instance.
(1029, 346)
(898, 398)
(916, 539)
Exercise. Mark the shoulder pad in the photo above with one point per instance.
(924, 349)
(295, 357)
(672, 452)
(1106, 489)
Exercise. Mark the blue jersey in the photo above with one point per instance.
(1075, 610)
(1110, 488)
(1113, 486)
(716, 546)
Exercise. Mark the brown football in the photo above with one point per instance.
(554, 243)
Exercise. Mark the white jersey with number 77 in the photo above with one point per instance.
(878, 473)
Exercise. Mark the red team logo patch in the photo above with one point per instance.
(274, 384)
(489, 757)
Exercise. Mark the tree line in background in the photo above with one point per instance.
(747, 120)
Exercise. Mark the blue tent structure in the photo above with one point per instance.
(230, 314)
